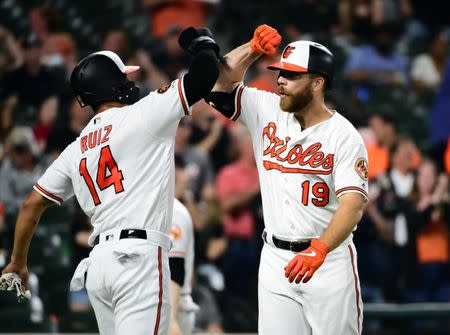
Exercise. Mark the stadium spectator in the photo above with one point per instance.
(184, 193)
(358, 16)
(198, 163)
(378, 65)
(117, 41)
(384, 126)
(440, 120)
(10, 54)
(149, 77)
(446, 163)
(166, 15)
(428, 216)
(167, 54)
(427, 68)
(199, 170)
(34, 87)
(386, 213)
(60, 54)
(61, 137)
(43, 20)
(312, 17)
(237, 186)
(21, 168)
(210, 134)
(60, 49)
(385, 130)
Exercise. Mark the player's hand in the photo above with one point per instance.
(305, 263)
(15, 278)
(193, 40)
(265, 40)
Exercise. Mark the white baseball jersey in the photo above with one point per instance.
(302, 172)
(182, 235)
(121, 167)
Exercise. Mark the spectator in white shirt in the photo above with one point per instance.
(427, 68)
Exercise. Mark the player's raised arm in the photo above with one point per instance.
(204, 69)
(265, 41)
(232, 70)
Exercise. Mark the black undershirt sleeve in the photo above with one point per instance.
(201, 76)
(223, 102)
(177, 271)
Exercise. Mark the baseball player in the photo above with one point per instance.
(121, 169)
(181, 260)
(312, 167)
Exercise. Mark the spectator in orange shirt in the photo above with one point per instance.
(384, 126)
(428, 217)
(166, 15)
(385, 129)
(447, 157)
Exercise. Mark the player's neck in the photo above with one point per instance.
(109, 105)
(312, 115)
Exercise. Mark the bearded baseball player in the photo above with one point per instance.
(312, 166)
(121, 170)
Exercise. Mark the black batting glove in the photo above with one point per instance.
(193, 40)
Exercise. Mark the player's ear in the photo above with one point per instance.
(318, 83)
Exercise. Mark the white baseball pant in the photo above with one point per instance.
(330, 303)
(128, 284)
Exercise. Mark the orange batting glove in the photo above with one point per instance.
(265, 40)
(306, 263)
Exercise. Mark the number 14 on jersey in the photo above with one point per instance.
(108, 174)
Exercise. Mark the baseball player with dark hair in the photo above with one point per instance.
(312, 166)
(121, 169)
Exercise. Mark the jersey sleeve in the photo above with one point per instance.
(161, 110)
(351, 170)
(180, 233)
(56, 183)
(247, 105)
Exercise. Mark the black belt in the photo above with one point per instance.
(294, 246)
(126, 233)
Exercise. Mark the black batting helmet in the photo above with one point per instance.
(308, 57)
(102, 77)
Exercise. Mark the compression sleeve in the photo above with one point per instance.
(177, 271)
(223, 102)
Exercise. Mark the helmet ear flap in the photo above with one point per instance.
(126, 92)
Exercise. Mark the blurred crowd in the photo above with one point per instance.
(392, 81)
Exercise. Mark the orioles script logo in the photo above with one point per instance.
(287, 51)
(310, 160)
